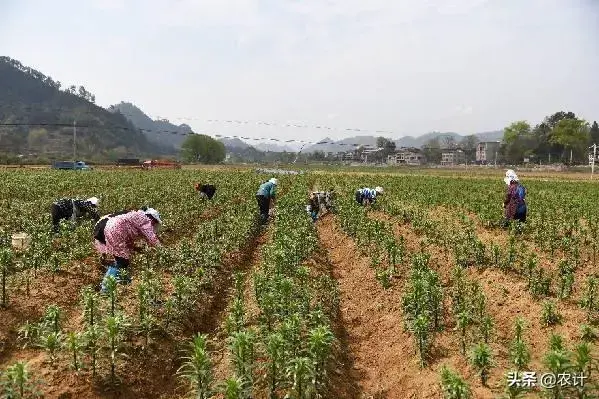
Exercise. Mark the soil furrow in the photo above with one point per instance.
(382, 353)
(248, 261)
(507, 299)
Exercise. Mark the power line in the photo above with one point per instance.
(220, 136)
(235, 122)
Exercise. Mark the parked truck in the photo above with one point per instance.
(70, 165)
(160, 163)
(129, 162)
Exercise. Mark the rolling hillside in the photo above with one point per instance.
(160, 132)
(37, 115)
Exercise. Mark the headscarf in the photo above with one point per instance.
(510, 176)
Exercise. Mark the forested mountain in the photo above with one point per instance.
(157, 131)
(37, 114)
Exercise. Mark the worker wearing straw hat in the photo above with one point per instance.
(73, 209)
(118, 239)
(514, 203)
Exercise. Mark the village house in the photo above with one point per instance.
(486, 152)
(453, 157)
(406, 157)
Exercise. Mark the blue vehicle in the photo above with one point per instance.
(70, 165)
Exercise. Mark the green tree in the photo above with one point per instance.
(518, 141)
(203, 149)
(572, 135)
(468, 145)
(594, 133)
(449, 142)
(432, 150)
(556, 118)
(388, 148)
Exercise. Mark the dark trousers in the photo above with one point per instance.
(359, 198)
(263, 206)
(57, 216)
(521, 215)
(121, 263)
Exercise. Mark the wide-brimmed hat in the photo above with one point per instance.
(93, 200)
(510, 176)
(154, 214)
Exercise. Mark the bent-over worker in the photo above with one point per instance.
(367, 196)
(266, 198)
(118, 237)
(206, 191)
(73, 209)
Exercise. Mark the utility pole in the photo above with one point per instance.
(299, 152)
(74, 141)
(594, 147)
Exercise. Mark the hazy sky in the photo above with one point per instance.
(406, 66)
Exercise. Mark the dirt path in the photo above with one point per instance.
(384, 361)
(249, 259)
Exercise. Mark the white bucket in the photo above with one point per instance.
(20, 241)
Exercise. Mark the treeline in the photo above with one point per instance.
(29, 98)
(561, 137)
(47, 80)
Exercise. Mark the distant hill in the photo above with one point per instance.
(29, 98)
(410, 141)
(157, 131)
(234, 144)
(268, 147)
(406, 141)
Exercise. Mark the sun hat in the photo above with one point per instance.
(154, 214)
(274, 181)
(379, 190)
(93, 200)
(510, 176)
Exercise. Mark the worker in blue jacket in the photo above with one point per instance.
(367, 196)
(266, 197)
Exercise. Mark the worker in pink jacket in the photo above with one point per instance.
(118, 235)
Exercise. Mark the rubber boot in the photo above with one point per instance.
(117, 274)
(112, 271)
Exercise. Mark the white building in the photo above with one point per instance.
(406, 157)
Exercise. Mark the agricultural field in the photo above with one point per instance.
(422, 295)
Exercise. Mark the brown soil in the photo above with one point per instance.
(385, 364)
(248, 262)
(146, 372)
(507, 299)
